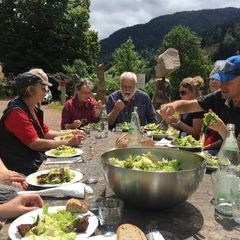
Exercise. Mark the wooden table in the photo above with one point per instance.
(194, 219)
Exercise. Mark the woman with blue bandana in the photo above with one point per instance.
(225, 102)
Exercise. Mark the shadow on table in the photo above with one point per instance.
(227, 222)
(176, 223)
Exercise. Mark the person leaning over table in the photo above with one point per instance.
(19, 205)
(224, 102)
(81, 109)
(121, 103)
(189, 123)
(24, 135)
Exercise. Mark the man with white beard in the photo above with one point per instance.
(120, 103)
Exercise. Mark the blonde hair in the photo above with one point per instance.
(40, 73)
(193, 83)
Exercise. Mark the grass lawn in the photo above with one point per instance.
(56, 105)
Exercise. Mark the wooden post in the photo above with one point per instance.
(162, 92)
(101, 93)
(62, 85)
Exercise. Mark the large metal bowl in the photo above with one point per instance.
(154, 189)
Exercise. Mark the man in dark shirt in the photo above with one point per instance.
(120, 104)
(225, 102)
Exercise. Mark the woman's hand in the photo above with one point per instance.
(20, 205)
(220, 127)
(167, 110)
(12, 178)
(78, 136)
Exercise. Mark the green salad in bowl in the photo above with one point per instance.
(147, 162)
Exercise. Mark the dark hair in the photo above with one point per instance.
(83, 82)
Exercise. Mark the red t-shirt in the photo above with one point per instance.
(211, 137)
(75, 110)
(18, 123)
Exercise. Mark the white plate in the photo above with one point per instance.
(31, 216)
(50, 154)
(32, 179)
(102, 237)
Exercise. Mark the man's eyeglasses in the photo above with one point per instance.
(182, 93)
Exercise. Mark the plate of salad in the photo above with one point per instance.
(188, 143)
(53, 223)
(54, 177)
(212, 161)
(64, 151)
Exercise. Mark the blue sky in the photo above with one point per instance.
(109, 16)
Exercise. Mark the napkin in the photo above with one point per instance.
(72, 190)
(52, 160)
(102, 237)
(164, 142)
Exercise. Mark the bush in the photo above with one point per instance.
(150, 87)
(111, 84)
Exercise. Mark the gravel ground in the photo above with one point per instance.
(52, 117)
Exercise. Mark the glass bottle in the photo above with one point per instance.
(104, 122)
(134, 130)
(228, 172)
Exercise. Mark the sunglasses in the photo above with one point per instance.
(182, 93)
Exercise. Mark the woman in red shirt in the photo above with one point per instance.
(82, 108)
(24, 135)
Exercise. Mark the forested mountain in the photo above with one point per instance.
(212, 25)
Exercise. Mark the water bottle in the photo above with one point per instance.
(228, 172)
(134, 130)
(104, 122)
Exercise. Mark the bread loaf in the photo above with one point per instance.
(77, 206)
(130, 232)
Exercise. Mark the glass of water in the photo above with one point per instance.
(235, 191)
(110, 214)
(224, 183)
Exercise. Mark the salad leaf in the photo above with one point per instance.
(147, 162)
(53, 226)
(63, 151)
(187, 141)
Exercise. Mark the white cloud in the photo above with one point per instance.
(109, 16)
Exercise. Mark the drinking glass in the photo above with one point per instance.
(118, 128)
(224, 182)
(110, 214)
(235, 192)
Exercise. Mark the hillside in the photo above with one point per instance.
(148, 37)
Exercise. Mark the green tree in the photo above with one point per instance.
(47, 34)
(229, 46)
(194, 60)
(125, 58)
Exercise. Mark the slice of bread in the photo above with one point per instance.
(130, 232)
(77, 206)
